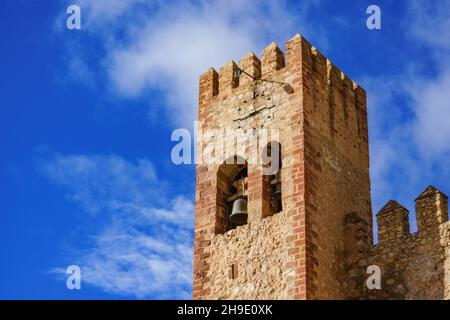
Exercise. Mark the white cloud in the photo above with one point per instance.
(166, 45)
(432, 108)
(141, 256)
(429, 23)
(430, 27)
(99, 182)
(137, 242)
(103, 12)
(409, 146)
(80, 71)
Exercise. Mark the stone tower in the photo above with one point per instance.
(295, 243)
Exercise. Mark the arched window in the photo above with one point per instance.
(272, 178)
(231, 193)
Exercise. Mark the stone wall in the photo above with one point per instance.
(252, 262)
(413, 266)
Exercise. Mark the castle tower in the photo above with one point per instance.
(294, 242)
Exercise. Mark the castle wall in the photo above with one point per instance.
(413, 266)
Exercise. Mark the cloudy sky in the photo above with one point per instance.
(86, 118)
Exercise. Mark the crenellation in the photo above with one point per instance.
(334, 88)
(393, 223)
(320, 95)
(361, 111)
(346, 98)
(251, 65)
(272, 59)
(360, 108)
(227, 78)
(414, 266)
(351, 121)
(431, 210)
(209, 85)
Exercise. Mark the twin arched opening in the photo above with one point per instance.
(232, 189)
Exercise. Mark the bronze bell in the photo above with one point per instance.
(239, 213)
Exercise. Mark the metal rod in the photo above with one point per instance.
(266, 80)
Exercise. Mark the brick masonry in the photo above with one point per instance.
(320, 244)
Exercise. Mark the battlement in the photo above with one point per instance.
(224, 81)
(273, 61)
(431, 213)
(334, 105)
(393, 223)
(431, 210)
(413, 266)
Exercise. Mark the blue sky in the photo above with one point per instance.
(86, 119)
